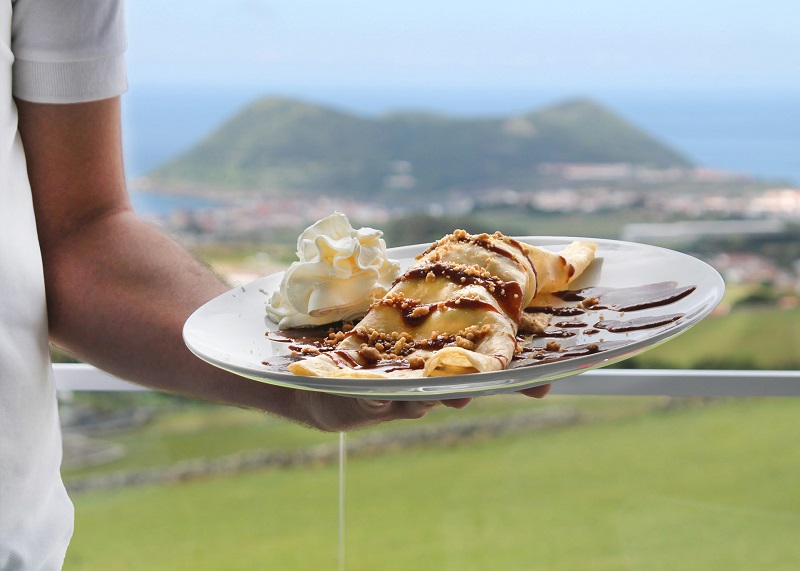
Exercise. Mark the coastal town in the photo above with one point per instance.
(579, 188)
(666, 207)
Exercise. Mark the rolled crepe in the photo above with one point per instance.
(455, 311)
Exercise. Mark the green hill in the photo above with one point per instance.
(279, 145)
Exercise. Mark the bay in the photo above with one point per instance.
(160, 204)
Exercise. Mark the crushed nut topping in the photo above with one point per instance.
(464, 343)
(553, 346)
(420, 311)
(370, 354)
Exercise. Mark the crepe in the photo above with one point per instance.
(455, 311)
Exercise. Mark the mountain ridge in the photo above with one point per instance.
(279, 145)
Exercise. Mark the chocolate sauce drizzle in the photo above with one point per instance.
(629, 298)
(480, 240)
(621, 326)
(414, 313)
(507, 294)
(589, 308)
(484, 241)
(591, 304)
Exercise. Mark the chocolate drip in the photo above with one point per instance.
(588, 302)
(307, 339)
(280, 363)
(508, 294)
(562, 311)
(480, 240)
(415, 313)
(556, 333)
(629, 298)
(487, 244)
(570, 324)
(648, 322)
(531, 356)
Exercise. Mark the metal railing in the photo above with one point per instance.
(632, 382)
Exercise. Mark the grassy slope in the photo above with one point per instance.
(216, 431)
(763, 338)
(702, 487)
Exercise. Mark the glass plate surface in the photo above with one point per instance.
(229, 331)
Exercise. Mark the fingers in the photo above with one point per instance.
(334, 413)
(376, 403)
(385, 410)
(537, 392)
(413, 409)
(456, 403)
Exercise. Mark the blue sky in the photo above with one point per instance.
(578, 44)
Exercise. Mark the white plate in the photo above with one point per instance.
(229, 331)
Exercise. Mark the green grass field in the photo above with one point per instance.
(209, 431)
(747, 338)
(703, 486)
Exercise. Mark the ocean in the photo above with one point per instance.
(159, 203)
(751, 132)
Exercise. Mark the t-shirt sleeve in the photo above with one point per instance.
(68, 51)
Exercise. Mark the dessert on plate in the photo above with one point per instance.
(456, 310)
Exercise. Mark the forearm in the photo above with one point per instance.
(119, 292)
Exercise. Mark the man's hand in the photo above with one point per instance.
(342, 413)
(334, 413)
(537, 392)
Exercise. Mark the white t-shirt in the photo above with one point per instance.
(51, 51)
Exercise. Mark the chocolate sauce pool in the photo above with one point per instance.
(600, 312)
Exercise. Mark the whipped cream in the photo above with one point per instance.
(339, 272)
